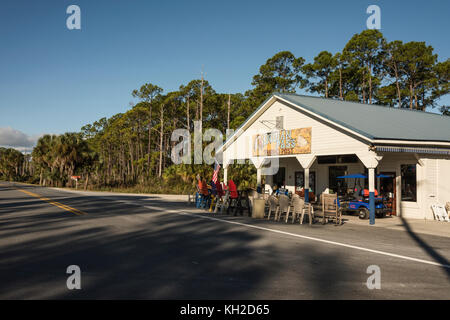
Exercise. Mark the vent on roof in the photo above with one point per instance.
(279, 123)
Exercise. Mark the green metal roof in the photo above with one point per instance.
(377, 122)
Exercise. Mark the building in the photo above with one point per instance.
(314, 140)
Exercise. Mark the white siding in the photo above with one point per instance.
(324, 139)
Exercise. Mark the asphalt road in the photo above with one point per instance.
(137, 247)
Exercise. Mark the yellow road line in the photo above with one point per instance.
(57, 204)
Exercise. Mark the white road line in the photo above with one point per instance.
(289, 234)
(316, 239)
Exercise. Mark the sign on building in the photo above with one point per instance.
(282, 142)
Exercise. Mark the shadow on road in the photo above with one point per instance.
(428, 249)
(149, 254)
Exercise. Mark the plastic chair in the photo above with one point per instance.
(283, 207)
(273, 206)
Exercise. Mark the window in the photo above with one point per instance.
(409, 182)
(300, 180)
(279, 122)
(349, 158)
(338, 186)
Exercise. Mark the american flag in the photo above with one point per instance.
(216, 171)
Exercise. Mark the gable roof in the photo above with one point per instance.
(377, 122)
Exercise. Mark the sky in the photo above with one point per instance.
(54, 80)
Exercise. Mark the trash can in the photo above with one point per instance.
(258, 208)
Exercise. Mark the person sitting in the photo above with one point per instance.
(213, 188)
(219, 189)
(233, 190)
(268, 189)
(282, 191)
(203, 188)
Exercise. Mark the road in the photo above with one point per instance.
(143, 247)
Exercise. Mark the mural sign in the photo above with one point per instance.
(283, 142)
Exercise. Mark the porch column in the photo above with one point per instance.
(372, 195)
(370, 161)
(258, 177)
(258, 163)
(306, 161)
(225, 175)
(307, 185)
(226, 163)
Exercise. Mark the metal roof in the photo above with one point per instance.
(376, 122)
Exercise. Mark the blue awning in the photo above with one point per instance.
(353, 176)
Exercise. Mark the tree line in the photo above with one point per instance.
(132, 149)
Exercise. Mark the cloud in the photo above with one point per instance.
(16, 139)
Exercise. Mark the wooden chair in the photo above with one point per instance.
(283, 207)
(273, 206)
(330, 208)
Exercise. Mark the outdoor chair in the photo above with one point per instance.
(273, 206)
(205, 201)
(192, 197)
(198, 200)
(330, 208)
(222, 202)
(299, 208)
(309, 210)
(294, 198)
(283, 207)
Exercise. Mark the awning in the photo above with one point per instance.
(413, 150)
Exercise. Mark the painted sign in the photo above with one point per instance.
(283, 142)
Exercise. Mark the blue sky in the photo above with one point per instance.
(54, 80)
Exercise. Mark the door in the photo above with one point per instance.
(338, 186)
(388, 190)
(279, 179)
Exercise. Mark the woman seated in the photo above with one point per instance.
(233, 190)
